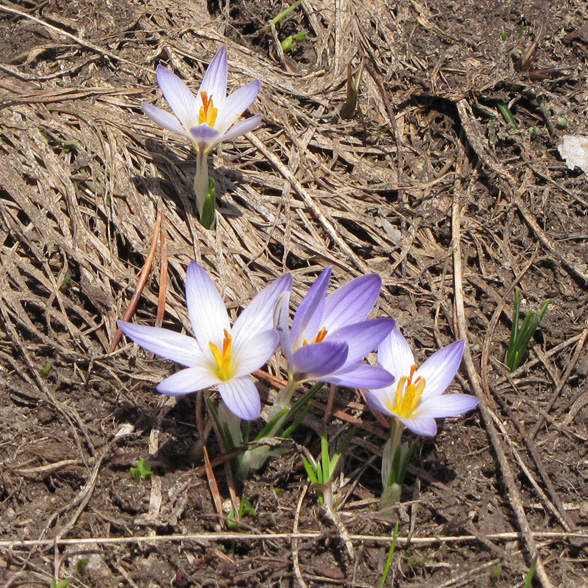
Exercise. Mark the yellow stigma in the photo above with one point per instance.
(319, 336)
(226, 369)
(408, 394)
(207, 111)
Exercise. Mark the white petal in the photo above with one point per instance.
(179, 97)
(237, 103)
(204, 137)
(165, 119)
(394, 355)
(258, 316)
(214, 82)
(187, 381)
(250, 354)
(281, 321)
(379, 399)
(206, 308)
(241, 397)
(240, 128)
(420, 426)
(448, 405)
(169, 344)
(440, 369)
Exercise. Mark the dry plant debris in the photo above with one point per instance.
(427, 184)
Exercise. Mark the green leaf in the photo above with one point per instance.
(208, 210)
(142, 471)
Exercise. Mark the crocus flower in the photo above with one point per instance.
(218, 355)
(207, 118)
(330, 335)
(415, 399)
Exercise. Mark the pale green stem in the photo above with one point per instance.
(201, 180)
(283, 398)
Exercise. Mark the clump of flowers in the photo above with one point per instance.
(206, 119)
(414, 401)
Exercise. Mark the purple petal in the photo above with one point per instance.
(214, 82)
(440, 369)
(250, 354)
(240, 128)
(237, 103)
(352, 302)
(379, 399)
(204, 137)
(206, 308)
(281, 320)
(420, 426)
(394, 354)
(241, 397)
(187, 381)
(259, 314)
(314, 361)
(448, 405)
(178, 96)
(165, 119)
(308, 318)
(169, 344)
(361, 375)
(362, 338)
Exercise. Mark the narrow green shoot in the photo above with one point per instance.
(531, 573)
(245, 509)
(348, 109)
(274, 21)
(44, 371)
(522, 29)
(59, 584)
(519, 338)
(389, 558)
(321, 472)
(506, 113)
(207, 218)
(142, 471)
(290, 41)
(503, 35)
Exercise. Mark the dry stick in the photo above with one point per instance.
(212, 483)
(310, 203)
(295, 535)
(73, 37)
(563, 381)
(563, 516)
(140, 283)
(507, 474)
(162, 275)
(15, 544)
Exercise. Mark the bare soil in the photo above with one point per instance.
(427, 184)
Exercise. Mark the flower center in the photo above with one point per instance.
(224, 361)
(319, 336)
(408, 394)
(207, 111)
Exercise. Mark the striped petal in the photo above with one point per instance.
(206, 308)
(448, 405)
(440, 369)
(241, 397)
(237, 103)
(204, 137)
(249, 355)
(352, 302)
(178, 96)
(360, 375)
(214, 82)
(240, 128)
(420, 426)
(259, 314)
(165, 119)
(312, 362)
(395, 355)
(175, 346)
(187, 381)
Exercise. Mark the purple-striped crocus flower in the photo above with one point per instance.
(208, 118)
(218, 355)
(330, 335)
(415, 399)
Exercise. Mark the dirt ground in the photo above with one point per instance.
(427, 184)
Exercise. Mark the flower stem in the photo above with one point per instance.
(201, 180)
